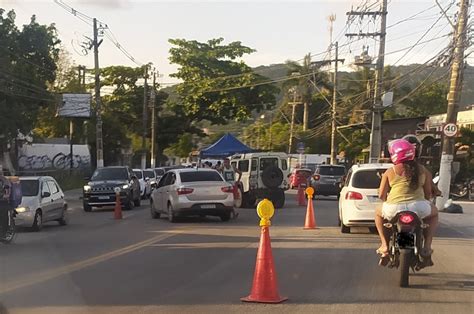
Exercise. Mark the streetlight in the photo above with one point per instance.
(270, 129)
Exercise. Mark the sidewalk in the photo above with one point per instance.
(462, 223)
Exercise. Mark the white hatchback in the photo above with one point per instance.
(359, 196)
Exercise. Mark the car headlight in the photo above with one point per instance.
(87, 188)
(125, 186)
(22, 209)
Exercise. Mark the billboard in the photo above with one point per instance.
(75, 106)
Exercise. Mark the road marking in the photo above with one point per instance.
(51, 274)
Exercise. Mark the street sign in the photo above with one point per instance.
(300, 148)
(387, 99)
(75, 106)
(450, 130)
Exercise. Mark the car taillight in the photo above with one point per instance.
(227, 189)
(316, 177)
(354, 196)
(183, 191)
(406, 219)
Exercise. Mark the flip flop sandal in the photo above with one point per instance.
(384, 259)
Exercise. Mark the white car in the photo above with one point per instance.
(145, 184)
(192, 192)
(42, 201)
(359, 196)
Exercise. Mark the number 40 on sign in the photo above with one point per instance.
(450, 129)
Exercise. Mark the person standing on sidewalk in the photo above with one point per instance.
(228, 172)
(5, 190)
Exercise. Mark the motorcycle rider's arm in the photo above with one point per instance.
(384, 187)
(428, 185)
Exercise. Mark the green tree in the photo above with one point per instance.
(27, 67)
(183, 146)
(429, 100)
(205, 94)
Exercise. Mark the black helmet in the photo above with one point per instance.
(415, 141)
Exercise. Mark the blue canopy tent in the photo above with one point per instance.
(226, 146)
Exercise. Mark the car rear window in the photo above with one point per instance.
(268, 162)
(139, 174)
(197, 176)
(332, 171)
(149, 174)
(305, 173)
(367, 179)
(29, 187)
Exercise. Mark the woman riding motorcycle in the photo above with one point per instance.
(405, 186)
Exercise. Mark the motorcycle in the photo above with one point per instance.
(456, 190)
(11, 229)
(405, 245)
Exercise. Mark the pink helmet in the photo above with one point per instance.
(401, 151)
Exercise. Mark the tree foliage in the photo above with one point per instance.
(205, 94)
(27, 66)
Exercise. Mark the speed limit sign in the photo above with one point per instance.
(450, 129)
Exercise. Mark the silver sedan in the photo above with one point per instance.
(192, 192)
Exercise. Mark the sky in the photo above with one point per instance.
(278, 30)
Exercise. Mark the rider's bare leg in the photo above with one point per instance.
(383, 234)
(429, 232)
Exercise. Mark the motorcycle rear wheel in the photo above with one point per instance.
(406, 259)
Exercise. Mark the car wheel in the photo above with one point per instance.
(344, 228)
(154, 214)
(64, 220)
(38, 221)
(248, 200)
(225, 217)
(86, 207)
(128, 203)
(278, 198)
(171, 216)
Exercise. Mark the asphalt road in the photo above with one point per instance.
(99, 265)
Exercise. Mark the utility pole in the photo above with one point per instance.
(455, 88)
(377, 110)
(153, 120)
(331, 19)
(294, 103)
(333, 109)
(145, 117)
(98, 109)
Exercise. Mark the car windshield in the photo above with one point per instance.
(149, 174)
(29, 187)
(332, 171)
(159, 172)
(197, 176)
(367, 179)
(110, 174)
(138, 173)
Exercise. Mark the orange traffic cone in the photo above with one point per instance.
(118, 207)
(264, 287)
(301, 198)
(310, 221)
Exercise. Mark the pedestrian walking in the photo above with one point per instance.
(228, 172)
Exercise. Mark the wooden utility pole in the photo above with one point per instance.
(98, 108)
(292, 125)
(455, 88)
(153, 121)
(145, 117)
(377, 110)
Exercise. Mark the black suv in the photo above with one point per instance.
(100, 190)
(327, 179)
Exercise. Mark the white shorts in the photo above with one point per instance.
(421, 208)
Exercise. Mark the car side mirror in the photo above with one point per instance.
(134, 177)
(154, 185)
(45, 194)
(87, 178)
(147, 179)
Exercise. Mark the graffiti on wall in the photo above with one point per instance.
(53, 157)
